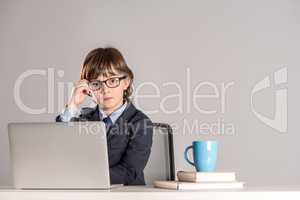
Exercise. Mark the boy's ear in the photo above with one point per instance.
(126, 83)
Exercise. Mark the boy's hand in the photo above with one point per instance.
(79, 93)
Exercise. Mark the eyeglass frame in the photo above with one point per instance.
(105, 82)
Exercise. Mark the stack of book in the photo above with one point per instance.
(188, 180)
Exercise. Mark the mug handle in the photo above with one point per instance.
(186, 155)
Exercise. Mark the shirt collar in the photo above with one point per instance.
(114, 115)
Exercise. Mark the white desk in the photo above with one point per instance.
(150, 193)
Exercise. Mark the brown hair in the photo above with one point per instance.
(103, 61)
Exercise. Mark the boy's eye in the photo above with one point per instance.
(95, 85)
(112, 81)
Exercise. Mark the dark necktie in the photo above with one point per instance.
(107, 122)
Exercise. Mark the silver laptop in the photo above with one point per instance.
(59, 155)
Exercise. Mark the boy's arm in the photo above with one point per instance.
(67, 114)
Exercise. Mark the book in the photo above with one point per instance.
(192, 176)
(176, 185)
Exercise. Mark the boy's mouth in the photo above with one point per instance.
(107, 98)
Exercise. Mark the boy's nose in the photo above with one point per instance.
(105, 89)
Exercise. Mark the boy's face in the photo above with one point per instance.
(109, 99)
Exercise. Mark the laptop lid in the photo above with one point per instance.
(59, 155)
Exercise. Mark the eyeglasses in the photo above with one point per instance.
(111, 83)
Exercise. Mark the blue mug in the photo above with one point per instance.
(204, 155)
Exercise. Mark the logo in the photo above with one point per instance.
(279, 121)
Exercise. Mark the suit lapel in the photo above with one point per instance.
(120, 125)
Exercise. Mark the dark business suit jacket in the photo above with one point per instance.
(129, 143)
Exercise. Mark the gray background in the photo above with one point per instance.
(218, 41)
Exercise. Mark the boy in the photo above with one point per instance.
(106, 77)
